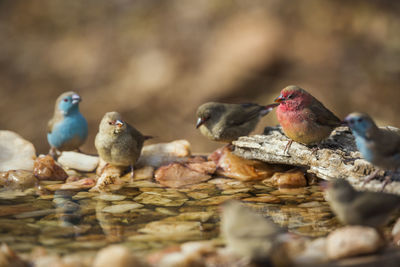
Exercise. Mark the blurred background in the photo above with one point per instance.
(157, 61)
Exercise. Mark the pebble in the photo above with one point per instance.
(78, 161)
(16, 153)
(45, 168)
(110, 197)
(177, 175)
(17, 179)
(290, 179)
(160, 154)
(352, 241)
(121, 208)
(116, 256)
(233, 166)
(263, 199)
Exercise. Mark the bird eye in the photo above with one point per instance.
(359, 120)
(110, 123)
(290, 96)
(65, 99)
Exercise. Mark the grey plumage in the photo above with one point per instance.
(117, 142)
(227, 122)
(360, 208)
(247, 233)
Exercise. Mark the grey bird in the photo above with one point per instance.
(380, 146)
(118, 143)
(227, 122)
(360, 208)
(249, 234)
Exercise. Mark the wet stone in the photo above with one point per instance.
(110, 197)
(168, 199)
(263, 199)
(45, 168)
(16, 153)
(121, 208)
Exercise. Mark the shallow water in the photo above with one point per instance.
(146, 217)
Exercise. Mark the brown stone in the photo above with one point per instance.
(45, 168)
(233, 166)
(177, 174)
(290, 179)
(352, 241)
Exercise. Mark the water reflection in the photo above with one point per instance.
(149, 218)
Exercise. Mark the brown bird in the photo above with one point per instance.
(249, 234)
(117, 142)
(303, 118)
(360, 208)
(227, 122)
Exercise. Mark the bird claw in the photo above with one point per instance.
(314, 151)
(370, 177)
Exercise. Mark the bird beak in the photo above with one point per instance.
(119, 123)
(345, 122)
(279, 99)
(76, 99)
(200, 121)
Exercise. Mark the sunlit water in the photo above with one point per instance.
(82, 221)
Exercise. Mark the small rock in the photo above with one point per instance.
(314, 252)
(352, 241)
(177, 174)
(17, 179)
(396, 233)
(16, 153)
(81, 184)
(233, 166)
(166, 199)
(78, 161)
(290, 179)
(170, 227)
(121, 208)
(396, 228)
(144, 173)
(116, 256)
(110, 178)
(45, 168)
(160, 154)
(263, 199)
(9, 258)
(110, 197)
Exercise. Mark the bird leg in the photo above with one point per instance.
(314, 151)
(53, 152)
(370, 177)
(287, 147)
(388, 179)
(132, 173)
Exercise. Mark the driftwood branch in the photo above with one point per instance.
(336, 157)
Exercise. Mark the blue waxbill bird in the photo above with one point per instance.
(68, 129)
(380, 146)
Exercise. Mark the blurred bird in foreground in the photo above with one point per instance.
(303, 118)
(117, 142)
(360, 208)
(250, 235)
(380, 146)
(227, 122)
(68, 129)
